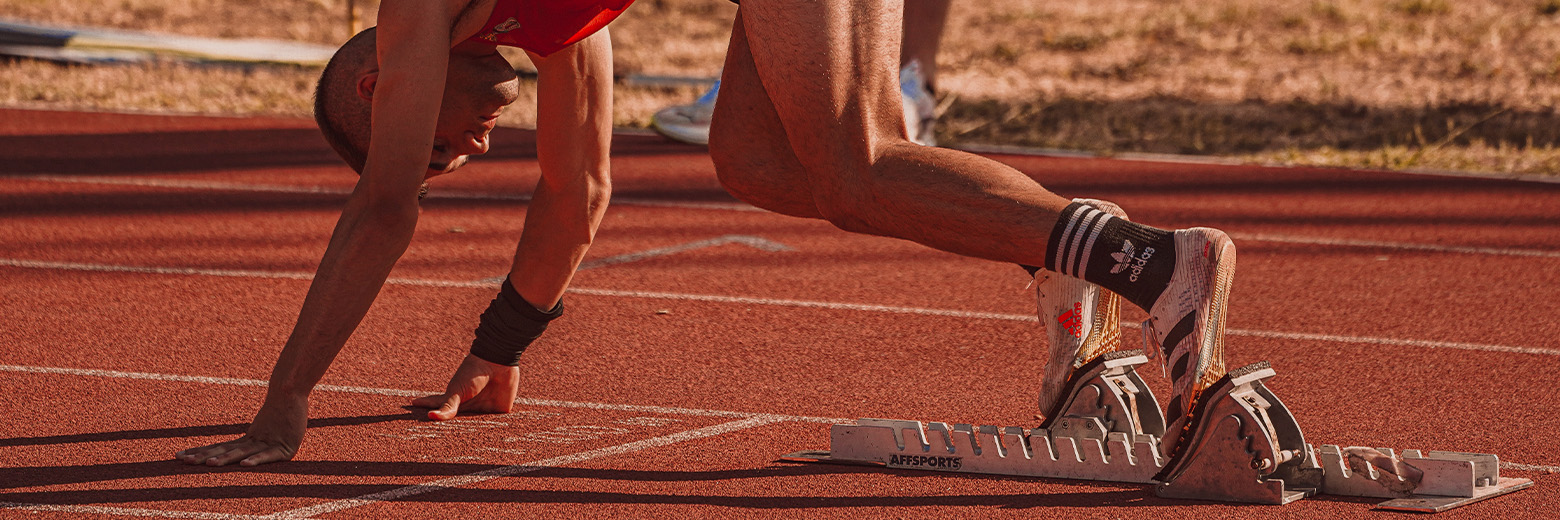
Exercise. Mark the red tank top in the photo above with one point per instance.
(547, 26)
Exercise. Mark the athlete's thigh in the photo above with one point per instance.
(752, 154)
(831, 70)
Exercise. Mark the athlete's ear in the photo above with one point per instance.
(366, 83)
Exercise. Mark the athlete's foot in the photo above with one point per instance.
(1082, 322)
(1186, 323)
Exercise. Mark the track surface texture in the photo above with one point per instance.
(151, 267)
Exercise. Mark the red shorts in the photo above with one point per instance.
(547, 26)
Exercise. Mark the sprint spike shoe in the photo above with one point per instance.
(920, 106)
(1186, 324)
(1082, 322)
(688, 123)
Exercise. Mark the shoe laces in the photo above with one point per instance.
(1155, 347)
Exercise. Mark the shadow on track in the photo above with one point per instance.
(187, 431)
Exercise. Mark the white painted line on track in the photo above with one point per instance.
(1530, 467)
(506, 471)
(759, 243)
(667, 410)
(747, 420)
(730, 206)
(1261, 237)
(779, 302)
(125, 511)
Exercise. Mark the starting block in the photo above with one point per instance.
(1246, 447)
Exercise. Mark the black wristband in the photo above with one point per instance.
(508, 326)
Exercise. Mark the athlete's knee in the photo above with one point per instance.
(850, 189)
(761, 172)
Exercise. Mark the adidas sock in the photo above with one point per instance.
(1130, 259)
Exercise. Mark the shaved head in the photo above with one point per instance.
(344, 116)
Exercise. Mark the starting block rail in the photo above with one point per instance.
(1246, 447)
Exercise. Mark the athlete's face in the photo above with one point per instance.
(475, 92)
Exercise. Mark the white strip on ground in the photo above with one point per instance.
(1260, 237)
(751, 420)
(779, 302)
(667, 410)
(1530, 467)
(732, 206)
(126, 511)
(506, 471)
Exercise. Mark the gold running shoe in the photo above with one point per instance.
(1186, 324)
(1082, 322)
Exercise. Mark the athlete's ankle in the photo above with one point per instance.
(1130, 259)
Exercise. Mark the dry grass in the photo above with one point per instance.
(1471, 85)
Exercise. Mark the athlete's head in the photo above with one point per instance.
(476, 90)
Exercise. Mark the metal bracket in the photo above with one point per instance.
(966, 448)
(1107, 429)
(1108, 393)
(1245, 447)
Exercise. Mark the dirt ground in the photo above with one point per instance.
(1402, 84)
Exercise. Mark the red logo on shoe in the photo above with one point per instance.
(1072, 320)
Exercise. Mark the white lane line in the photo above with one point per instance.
(1307, 336)
(722, 206)
(667, 410)
(1342, 242)
(126, 511)
(1530, 467)
(779, 302)
(758, 243)
(506, 471)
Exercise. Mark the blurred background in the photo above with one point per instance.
(1468, 85)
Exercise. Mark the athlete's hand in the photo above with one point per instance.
(274, 436)
(478, 386)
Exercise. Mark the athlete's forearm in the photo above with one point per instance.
(367, 241)
(377, 224)
(574, 134)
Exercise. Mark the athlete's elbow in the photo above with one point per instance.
(390, 214)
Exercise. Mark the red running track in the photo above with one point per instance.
(152, 266)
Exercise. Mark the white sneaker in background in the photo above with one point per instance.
(919, 103)
(691, 123)
(688, 123)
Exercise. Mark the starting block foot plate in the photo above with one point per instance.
(1429, 504)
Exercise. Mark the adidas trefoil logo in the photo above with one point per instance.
(1126, 260)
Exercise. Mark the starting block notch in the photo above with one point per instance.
(1107, 429)
(1246, 447)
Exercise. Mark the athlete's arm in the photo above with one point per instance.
(374, 230)
(573, 134)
